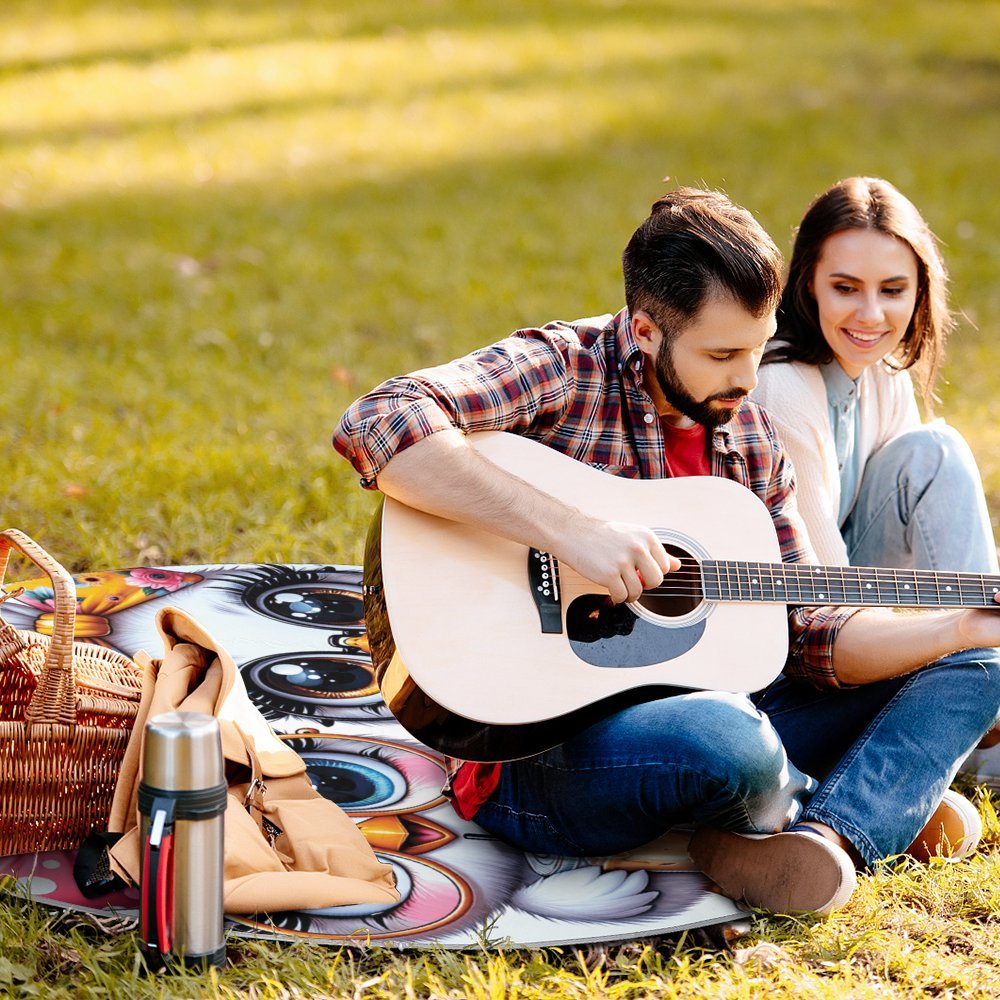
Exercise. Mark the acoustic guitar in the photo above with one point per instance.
(485, 649)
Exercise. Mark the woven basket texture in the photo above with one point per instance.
(66, 711)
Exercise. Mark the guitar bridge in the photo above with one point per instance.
(543, 578)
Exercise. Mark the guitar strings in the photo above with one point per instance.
(690, 581)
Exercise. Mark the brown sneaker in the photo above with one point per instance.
(953, 831)
(782, 872)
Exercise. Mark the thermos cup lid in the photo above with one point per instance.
(182, 752)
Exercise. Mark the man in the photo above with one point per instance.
(860, 739)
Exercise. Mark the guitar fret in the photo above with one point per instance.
(809, 588)
(771, 589)
(923, 594)
(949, 589)
(766, 582)
(706, 569)
(724, 584)
(851, 584)
(909, 590)
(778, 584)
(807, 584)
(715, 581)
(867, 586)
(968, 588)
(799, 597)
(789, 576)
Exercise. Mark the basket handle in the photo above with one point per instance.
(54, 700)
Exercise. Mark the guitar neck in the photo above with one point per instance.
(801, 583)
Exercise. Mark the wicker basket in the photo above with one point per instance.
(66, 711)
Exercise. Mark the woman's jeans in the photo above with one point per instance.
(872, 761)
(921, 506)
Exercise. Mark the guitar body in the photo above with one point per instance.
(475, 663)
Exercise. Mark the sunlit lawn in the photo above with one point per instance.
(222, 221)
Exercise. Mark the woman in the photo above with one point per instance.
(865, 304)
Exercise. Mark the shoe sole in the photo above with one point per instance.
(782, 873)
(952, 833)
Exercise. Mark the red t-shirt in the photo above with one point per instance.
(686, 450)
(686, 455)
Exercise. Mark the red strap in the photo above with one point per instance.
(165, 893)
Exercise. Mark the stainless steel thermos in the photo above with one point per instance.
(182, 799)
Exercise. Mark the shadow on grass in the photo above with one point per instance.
(248, 23)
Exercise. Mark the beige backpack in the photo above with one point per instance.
(286, 847)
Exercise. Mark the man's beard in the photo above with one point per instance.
(680, 399)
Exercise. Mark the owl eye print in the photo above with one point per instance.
(320, 686)
(367, 776)
(431, 898)
(315, 598)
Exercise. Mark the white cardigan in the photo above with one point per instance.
(794, 395)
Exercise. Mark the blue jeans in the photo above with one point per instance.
(704, 757)
(921, 506)
(885, 753)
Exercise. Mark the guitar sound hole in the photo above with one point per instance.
(680, 593)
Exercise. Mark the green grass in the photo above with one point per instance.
(221, 221)
(910, 932)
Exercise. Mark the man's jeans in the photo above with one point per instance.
(696, 756)
(884, 754)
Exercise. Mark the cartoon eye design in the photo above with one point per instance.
(356, 784)
(371, 777)
(319, 606)
(318, 598)
(430, 897)
(320, 686)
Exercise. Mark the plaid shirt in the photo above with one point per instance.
(577, 387)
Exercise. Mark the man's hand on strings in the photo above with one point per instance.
(624, 558)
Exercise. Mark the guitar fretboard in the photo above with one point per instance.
(800, 583)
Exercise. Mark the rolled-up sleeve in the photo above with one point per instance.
(517, 383)
(812, 632)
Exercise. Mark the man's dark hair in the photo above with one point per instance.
(694, 244)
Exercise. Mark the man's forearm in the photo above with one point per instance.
(878, 643)
(444, 475)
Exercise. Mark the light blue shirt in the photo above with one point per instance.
(842, 402)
